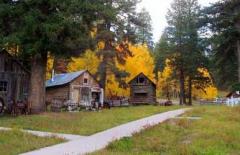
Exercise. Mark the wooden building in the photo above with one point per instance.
(14, 80)
(77, 87)
(234, 94)
(142, 90)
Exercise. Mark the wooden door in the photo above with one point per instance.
(86, 96)
(75, 95)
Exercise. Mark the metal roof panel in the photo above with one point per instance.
(62, 79)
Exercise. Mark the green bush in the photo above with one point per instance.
(236, 87)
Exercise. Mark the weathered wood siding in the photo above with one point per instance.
(80, 81)
(60, 92)
(83, 89)
(16, 76)
(67, 92)
(142, 93)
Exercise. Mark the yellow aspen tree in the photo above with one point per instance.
(89, 61)
(209, 92)
(49, 66)
(141, 62)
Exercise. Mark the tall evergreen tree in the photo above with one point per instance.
(223, 19)
(177, 21)
(195, 51)
(161, 53)
(115, 30)
(180, 44)
(144, 28)
(40, 27)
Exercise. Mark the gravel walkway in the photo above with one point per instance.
(101, 140)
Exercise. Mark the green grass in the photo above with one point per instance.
(217, 133)
(16, 142)
(82, 123)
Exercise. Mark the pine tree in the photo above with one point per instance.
(161, 53)
(223, 19)
(114, 31)
(144, 29)
(181, 45)
(41, 27)
(177, 21)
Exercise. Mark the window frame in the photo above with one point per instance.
(3, 86)
(142, 81)
(85, 80)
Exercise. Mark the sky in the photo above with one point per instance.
(158, 10)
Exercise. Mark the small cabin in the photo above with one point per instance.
(78, 87)
(234, 94)
(233, 98)
(14, 79)
(142, 90)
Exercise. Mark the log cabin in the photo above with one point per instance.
(14, 80)
(77, 87)
(142, 90)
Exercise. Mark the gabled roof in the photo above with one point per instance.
(142, 74)
(62, 79)
(4, 51)
(234, 94)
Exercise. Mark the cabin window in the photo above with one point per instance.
(141, 80)
(85, 81)
(3, 86)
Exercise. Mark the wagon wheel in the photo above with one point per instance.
(1, 105)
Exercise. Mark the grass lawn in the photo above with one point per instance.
(217, 133)
(16, 142)
(82, 123)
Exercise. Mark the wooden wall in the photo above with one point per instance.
(60, 92)
(65, 92)
(80, 80)
(17, 78)
(142, 93)
(74, 86)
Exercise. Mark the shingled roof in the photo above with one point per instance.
(62, 79)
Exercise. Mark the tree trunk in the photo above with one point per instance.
(103, 74)
(238, 55)
(60, 65)
(190, 91)
(182, 88)
(37, 84)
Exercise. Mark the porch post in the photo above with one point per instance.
(102, 96)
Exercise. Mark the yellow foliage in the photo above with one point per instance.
(167, 72)
(93, 33)
(112, 87)
(49, 67)
(141, 62)
(89, 61)
(164, 79)
(210, 92)
(101, 45)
